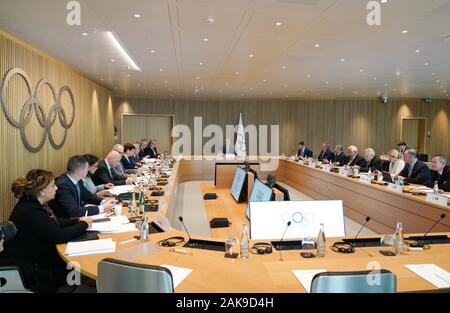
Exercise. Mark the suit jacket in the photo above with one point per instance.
(358, 160)
(153, 153)
(66, 202)
(374, 164)
(341, 158)
(443, 180)
(33, 250)
(307, 153)
(328, 154)
(134, 161)
(147, 151)
(127, 164)
(420, 173)
(103, 176)
(141, 154)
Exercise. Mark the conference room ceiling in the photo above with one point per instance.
(270, 49)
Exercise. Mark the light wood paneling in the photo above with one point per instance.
(92, 131)
(363, 122)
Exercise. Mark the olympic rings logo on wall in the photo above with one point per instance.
(46, 121)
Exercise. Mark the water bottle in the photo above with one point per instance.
(244, 245)
(398, 239)
(436, 188)
(142, 202)
(321, 242)
(369, 174)
(144, 228)
(133, 204)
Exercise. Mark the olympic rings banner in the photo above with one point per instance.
(46, 121)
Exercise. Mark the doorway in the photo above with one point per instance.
(138, 126)
(413, 132)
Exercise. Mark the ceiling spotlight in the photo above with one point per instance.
(237, 73)
(137, 15)
(426, 63)
(205, 39)
(251, 55)
(112, 60)
(128, 75)
(84, 34)
(432, 74)
(374, 78)
(283, 67)
(317, 45)
(201, 63)
(326, 83)
(161, 70)
(361, 70)
(278, 23)
(152, 51)
(342, 60)
(308, 76)
(264, 80)
(198, 77)
(404, 31)
(210, 20)
(417, 50)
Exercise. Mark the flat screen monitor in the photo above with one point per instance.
(237, 187)
(268, 220)
(260, 192)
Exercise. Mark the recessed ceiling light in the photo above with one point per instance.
(308, 76)
(84, 34)
(283, 67)
(342, 60)
(317, 45)
(201, 63)
(228, 84)
(128, 75)
(374, 78)
(198, 77)
(417, 50)
(264, 80)
(404, 31)
(383, 1)
(237, 73)
(251, 55)
(152, 51)
(161, 70)
(112, 60)
(426, 63)
(361, 70)
(432, 74)
(278, 23)
(326, 83)
(210, 20)
(205, 39)
(137, 15)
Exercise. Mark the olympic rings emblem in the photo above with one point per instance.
(303, 220)
(45, 121)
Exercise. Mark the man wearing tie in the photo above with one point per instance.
(415, 171)
(71, 197)
(105, 173)
(303, 151)
(325, 153)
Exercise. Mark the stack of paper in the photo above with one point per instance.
(90, 247)
(306, 276)
(117, 224)
(422, 189)
(148, 161)
(432, 273)
(117, 190)
(178, 273)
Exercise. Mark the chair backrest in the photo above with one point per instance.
(115, 276)
(377, 281)
(423, 157)
(11, 280)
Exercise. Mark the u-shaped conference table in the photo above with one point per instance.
(212, 272)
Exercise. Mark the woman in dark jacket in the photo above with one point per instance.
(33, 250)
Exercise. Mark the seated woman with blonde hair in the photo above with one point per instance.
(33, 250)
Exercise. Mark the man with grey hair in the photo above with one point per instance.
(415, 171)
(440, 172)
(372, 162)
(105, 173)
(325, 153)
(120, 169)
(354, 158)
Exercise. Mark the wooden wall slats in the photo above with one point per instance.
(92, 131)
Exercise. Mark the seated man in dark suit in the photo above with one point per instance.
(325, 153)
(354, 158)
(71, 196)
(134, 159)
(152, 152)
(340, 159)
(105, 173)
(372, 162)
(415, 171)
(440, 173)
(142, 146)
(303, 151)
(127, 161)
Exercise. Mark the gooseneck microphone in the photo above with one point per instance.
(282, 237)
(180, 218)
(434, 225)
(362, 227)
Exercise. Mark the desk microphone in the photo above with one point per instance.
(185, 228)
(431, 228)
(362, 227)
(280, 246)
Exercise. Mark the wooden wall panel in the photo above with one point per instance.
(92, 131)
(363, 122)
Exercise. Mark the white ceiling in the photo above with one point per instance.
(175, 29)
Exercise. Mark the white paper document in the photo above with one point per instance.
(178, 273)
(117, 190)
(305, 277)
(90, 247)
(117, 224)
(431, 273)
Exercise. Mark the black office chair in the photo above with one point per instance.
(423, 157)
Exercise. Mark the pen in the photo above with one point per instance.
(128, 241)
(85, 214)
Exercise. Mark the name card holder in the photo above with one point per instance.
(395, 188)
(437, 199)
(343, 173)
(364, 180)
